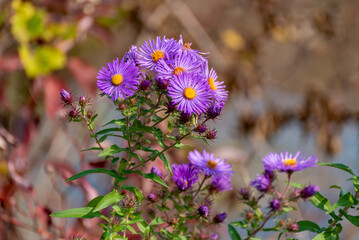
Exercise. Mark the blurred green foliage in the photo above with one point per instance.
(39, 40)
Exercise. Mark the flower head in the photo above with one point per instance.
(131, 55)
(152, 197)
(184, 175)
(119, 79)
(186, 47)
(287, 162)
(217, 89)
(309, 191)
(151, 52)
(190, 93)
(261, 183)
(220, 184)
(210, 165)
(183, 63)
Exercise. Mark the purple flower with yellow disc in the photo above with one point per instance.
(184, 175)
(151, 52)
(288, 162)
(218, 89)
(210, 165)
(190, 92)
(182, 63)
(186, 47)
(119, 79)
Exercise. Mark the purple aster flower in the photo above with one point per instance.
(183, 63)
(211, 134)
(261, 183)
(220, 184)
(119, 80)
(275, 204)
(218, 89)
(66, 97)
(162, 83)
(190, 93)
(203, 210)
(219, 218)
(244, 192)
(184, 175)
(156, 171)
(309, 191)
(215, 110)
(287, 162)
(151, 52)
(132, 55)
(145, 84)
(210, 165)
(186, 47)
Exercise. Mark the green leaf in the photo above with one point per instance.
(306, 225)
(165, 162)
(138, 126)
(320, 202)
(159, 137)
(353, 219)
(84, 212)
(327, 235)
(335, 186)
(156, 178)
(157, 221)
(135, 191)
(112, 150)
(345, 201)
(107, 200)
(297, 185)
(233, 233)
(111, 173)
(355, 182)
(94, 201)
(338, 165)
(108, 130)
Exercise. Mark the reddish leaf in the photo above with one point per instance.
(84, 73)
(52, 88)
(10, 63)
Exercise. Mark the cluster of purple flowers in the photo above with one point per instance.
(185, 175)
(181, 71)
(288, 163)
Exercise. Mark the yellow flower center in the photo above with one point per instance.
(178, 70)
(117, 79)
(212, 164)
(187, 46)
(189, 93)
(292, 162)
(211, 83)
(157, 55)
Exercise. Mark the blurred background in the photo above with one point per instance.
(292, 69)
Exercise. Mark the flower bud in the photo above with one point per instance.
(219, 218)
(170, 107)
(203, 210)
(244, 193)
(201, 128)
(162, 83)
(66, 97)
(211, 134)
(184, 117)
(309, 191)
(214, 236)
(156, 171)
(173, 221)
(152, 197)
(249, 215)
(82, 101)
(292, 227)
(261, 183)
(145, 84)
(275, 204)
(215, 110)
(72, 114)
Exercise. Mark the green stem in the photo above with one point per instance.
(260, 227)
(287, 187)
(161, 120)
(200, 186)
